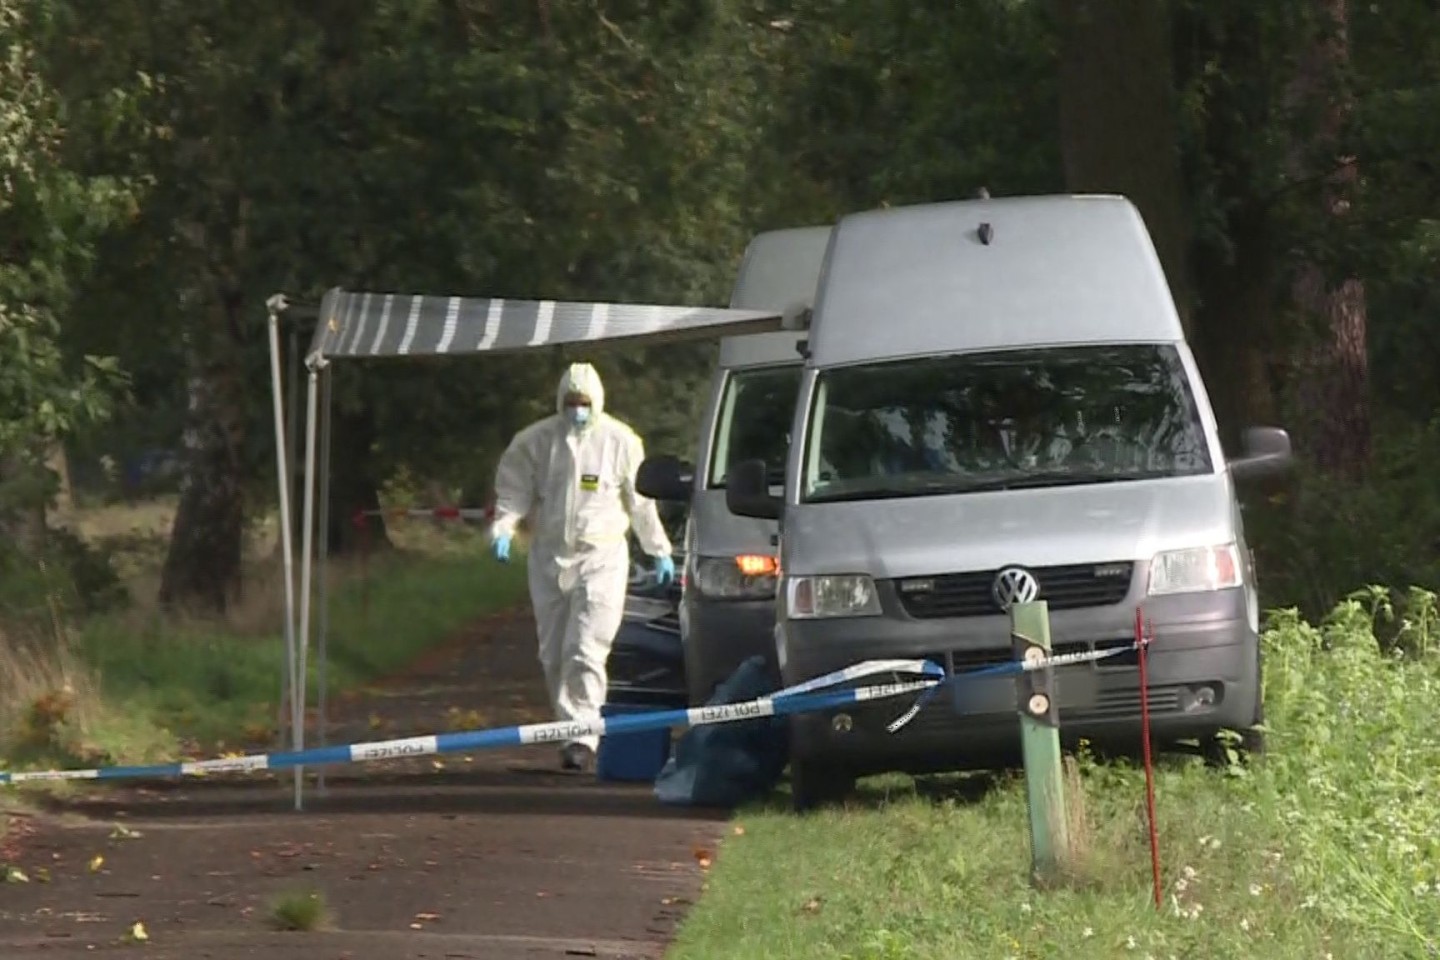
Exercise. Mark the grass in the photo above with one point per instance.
(209, 680)
(142, 686)
(1328, 847)
(300, 911)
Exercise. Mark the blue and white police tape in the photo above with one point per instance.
(806, 697)
(1008, 668)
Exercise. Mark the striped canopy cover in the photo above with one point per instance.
(359, 324)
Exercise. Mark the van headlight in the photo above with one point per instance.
(746, 577)
(843, 595)
(1195, 570)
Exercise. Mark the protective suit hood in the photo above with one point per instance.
(581, 378)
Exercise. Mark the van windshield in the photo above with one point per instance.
(1003, 420)
(755, 418)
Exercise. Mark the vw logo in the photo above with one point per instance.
(1014, 585)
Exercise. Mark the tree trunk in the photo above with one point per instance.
(58, 462)
(203, 569)
(1330, 385)
(1118, 129)
(1233, 323)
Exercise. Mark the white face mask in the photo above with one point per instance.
(578, 416)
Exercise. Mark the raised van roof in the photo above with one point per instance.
(990, 274)
(780, 270)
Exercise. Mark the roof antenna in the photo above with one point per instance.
(982, 194)
(986, 233)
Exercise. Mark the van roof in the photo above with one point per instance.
(1056, 269)
(780, 271)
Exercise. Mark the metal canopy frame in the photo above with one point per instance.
(362, 325)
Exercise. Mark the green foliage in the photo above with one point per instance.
(1318, 537)
(1325, 845)
(884, 102)
(67, 578)
(1355, 750)
(300, 910)
(208, 680)
(627, 151)
(49, 216)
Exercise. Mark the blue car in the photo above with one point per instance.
(647, 662)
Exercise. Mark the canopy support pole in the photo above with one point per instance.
(327, 380)
(276, 304)
(292, 397)
(299, 679)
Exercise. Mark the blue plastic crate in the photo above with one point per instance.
(632, 757)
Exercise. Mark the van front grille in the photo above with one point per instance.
(1069, 587)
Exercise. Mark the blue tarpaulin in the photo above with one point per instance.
(727, 764)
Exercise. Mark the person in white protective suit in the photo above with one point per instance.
(572, 477)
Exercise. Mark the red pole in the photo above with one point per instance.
(1142, 642)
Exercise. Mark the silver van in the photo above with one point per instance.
(727, 607)
(998, 404)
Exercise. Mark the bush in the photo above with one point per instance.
(52, 712)
(70, 578)
(1321, 536)
(1355, 765)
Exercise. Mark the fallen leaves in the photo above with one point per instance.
(703, 857)
(423, 918)
(96, 862)
(16, 830)
(138, 933)
(464, 720)
(15, 875)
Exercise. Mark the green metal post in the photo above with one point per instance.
(1040, 741)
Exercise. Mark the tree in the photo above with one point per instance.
(1331, 381)
(433, 145)
(49, 217)
(1118, 126)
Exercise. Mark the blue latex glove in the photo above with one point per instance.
(501, 547)
(664, 570)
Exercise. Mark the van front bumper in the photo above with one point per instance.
(1204, 676)
(722, 634)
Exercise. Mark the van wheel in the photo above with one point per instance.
(814, 785)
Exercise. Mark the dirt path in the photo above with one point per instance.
(492, 856)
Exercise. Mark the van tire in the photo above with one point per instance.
(814, 785)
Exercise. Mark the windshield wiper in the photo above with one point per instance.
(1057, 478)
(1015, 481)
(891, 491)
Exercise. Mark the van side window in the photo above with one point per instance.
(755, 419)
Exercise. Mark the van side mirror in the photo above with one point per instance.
(747, 491)
(1267, 453)
(665, 478)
